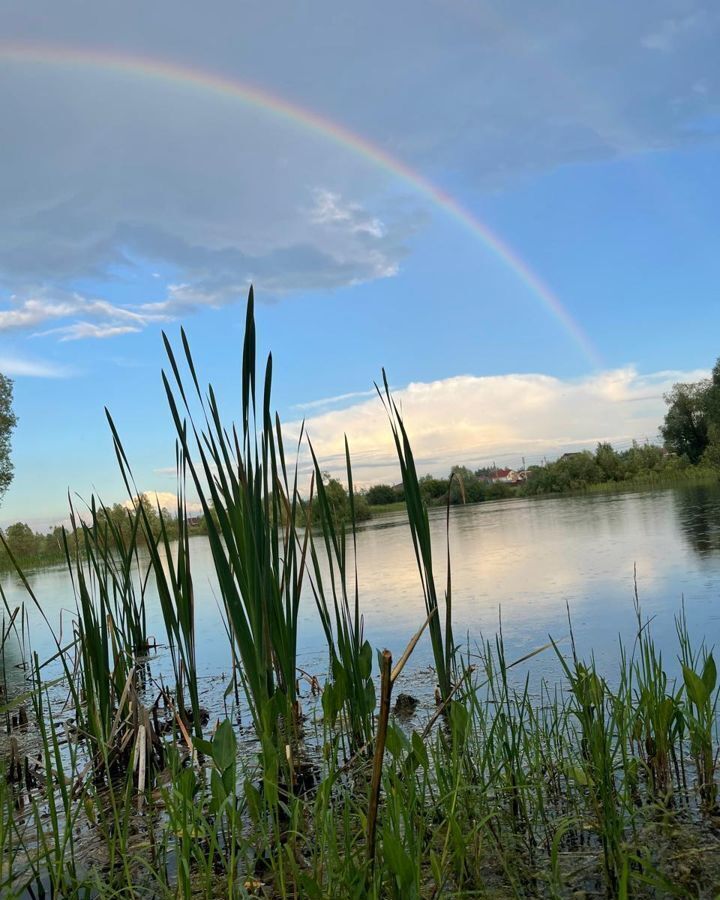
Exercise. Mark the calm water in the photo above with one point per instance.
(521, 560)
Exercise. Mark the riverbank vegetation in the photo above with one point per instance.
(116, 781)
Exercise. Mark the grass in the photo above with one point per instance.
(380, 509)
(603, 784)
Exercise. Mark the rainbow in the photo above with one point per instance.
(258, 98)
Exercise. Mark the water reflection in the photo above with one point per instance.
(526, 561)
(698, 511)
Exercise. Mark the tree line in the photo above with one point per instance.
(33, 548)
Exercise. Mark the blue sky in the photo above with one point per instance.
(585, 138)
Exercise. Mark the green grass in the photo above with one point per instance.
(381, 509)
(653, 480)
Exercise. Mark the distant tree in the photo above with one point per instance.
(465, 487)
(573, 472)
(608, 462)
(380, 494)
(685, 430)
(711, 456)
(433, 489)
(339, 503)
(8, 421)
(21, 540)
(54, 543)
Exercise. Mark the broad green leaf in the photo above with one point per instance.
(217, 792)
(420, 750)
(224, 746)
(396, 741)
(709, 675)
(254, 801)
(695, 687)
(365, 660)
(397, 859)
(580, 776)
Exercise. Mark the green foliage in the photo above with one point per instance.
(433, 489)
(337, 504)
(441, 634)
(31, 547)
(461, 486)
(685, 430)
(383, 495)
(351, 689)
(692, 422)
(606, 466)
(8, 421)
(246, 494)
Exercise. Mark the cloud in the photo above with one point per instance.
(82, 330)
(167, 500)
(474, 420)
(351, 247)
(160, 175)
(332, 401)
(33, 311)
(671, 32)
(329, 209)
(32, 368)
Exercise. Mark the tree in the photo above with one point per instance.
(608, 462)
(381, 494)
(21, 540)
(465, 487)
(339, 503)
(685, 430)
(433, 489)
(8, 421)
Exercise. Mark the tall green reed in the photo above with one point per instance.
(442, 643)
(352, 690)
(250, 507)
(701, 694)
(170, 564)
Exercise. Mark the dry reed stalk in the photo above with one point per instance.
(380, 738)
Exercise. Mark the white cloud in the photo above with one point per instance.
(332, 401)
(85, 317)
(666, 36)
(473, 420)
(82, 330)
(30, 311)
(32, 368)
(168, 500)
(330, 209)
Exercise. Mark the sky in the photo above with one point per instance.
(513, 208)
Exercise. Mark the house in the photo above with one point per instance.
(572, 455)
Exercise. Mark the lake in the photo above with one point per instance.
(524, 561)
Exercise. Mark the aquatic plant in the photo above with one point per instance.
(351, 690)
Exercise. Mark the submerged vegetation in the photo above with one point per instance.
(118, 782)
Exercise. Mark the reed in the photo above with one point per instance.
(250, 506)
(442, 643)
(352, 690)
